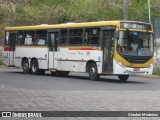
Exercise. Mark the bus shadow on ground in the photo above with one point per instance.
(77, 77)
(109, 80)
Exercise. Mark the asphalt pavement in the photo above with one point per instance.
(21, 92)
(14, 78)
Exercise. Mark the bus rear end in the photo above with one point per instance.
(9, 48)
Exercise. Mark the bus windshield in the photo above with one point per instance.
(134, 43)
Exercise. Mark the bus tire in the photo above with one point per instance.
(93, 74)
(34, 67)
(25, 66)
(123, 78)
(63, 73)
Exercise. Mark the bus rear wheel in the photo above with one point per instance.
(34, 67)
(25, 66)
(93, 74)
(123, 78)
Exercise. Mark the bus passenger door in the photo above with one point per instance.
(108, 49)
(52, 41)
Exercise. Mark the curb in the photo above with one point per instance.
(3, 66)
(149, 76)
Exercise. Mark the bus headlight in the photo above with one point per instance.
(120, 64)
(151, 65)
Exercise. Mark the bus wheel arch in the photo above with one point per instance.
(123, 78)
(87, 65)
(91, 68)
(25, 65)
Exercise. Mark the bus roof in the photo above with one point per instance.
(69, 25)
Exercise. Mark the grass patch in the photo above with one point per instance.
(156, 68)
(156, 71)
(1, 63)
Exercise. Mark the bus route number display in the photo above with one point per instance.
(135, 26)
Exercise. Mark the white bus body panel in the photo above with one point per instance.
(76, 60)
(118, 69)
(55, 64)
(41, 54)
(51, 60)
(6, 59)
(11, 58)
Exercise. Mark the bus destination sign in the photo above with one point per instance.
(132, 25)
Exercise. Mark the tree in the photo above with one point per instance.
(33, 12)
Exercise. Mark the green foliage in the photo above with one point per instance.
(33, 12)
(94, 10)
(156, 71)
(43, 14)
(1, 63)
(138, 10)
(82, 10)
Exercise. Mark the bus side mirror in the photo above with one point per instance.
(116, 34)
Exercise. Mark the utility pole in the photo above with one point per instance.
(149, 11)
(125, 17)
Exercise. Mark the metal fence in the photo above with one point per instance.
(156, 24)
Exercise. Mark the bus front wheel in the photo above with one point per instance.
(25, 66)
(123, 78)
(93, 74)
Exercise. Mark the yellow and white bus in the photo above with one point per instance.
(117, 48)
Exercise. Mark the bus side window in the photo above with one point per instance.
(75, 36)
(12, 39)
(20, 39)
(41, 37)
(29, 38)
(63, 37)
(53, 40)
(92, 36)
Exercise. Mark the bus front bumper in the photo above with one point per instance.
(118, 68)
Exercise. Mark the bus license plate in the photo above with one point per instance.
(136, 69)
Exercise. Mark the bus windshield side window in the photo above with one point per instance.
(92, 36)
(75, 36)
(63, 37)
